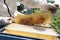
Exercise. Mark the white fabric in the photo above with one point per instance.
(57, 2)
(16, 12)
(33, 3)
(18, 3)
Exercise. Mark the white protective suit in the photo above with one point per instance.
(13, 7)
(42, 4)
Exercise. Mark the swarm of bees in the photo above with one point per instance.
(31, 19)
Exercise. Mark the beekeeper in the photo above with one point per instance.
(12, 5)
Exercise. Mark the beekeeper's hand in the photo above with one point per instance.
(5, 20)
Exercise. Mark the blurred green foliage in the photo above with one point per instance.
(36, 10)
(56, 21)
